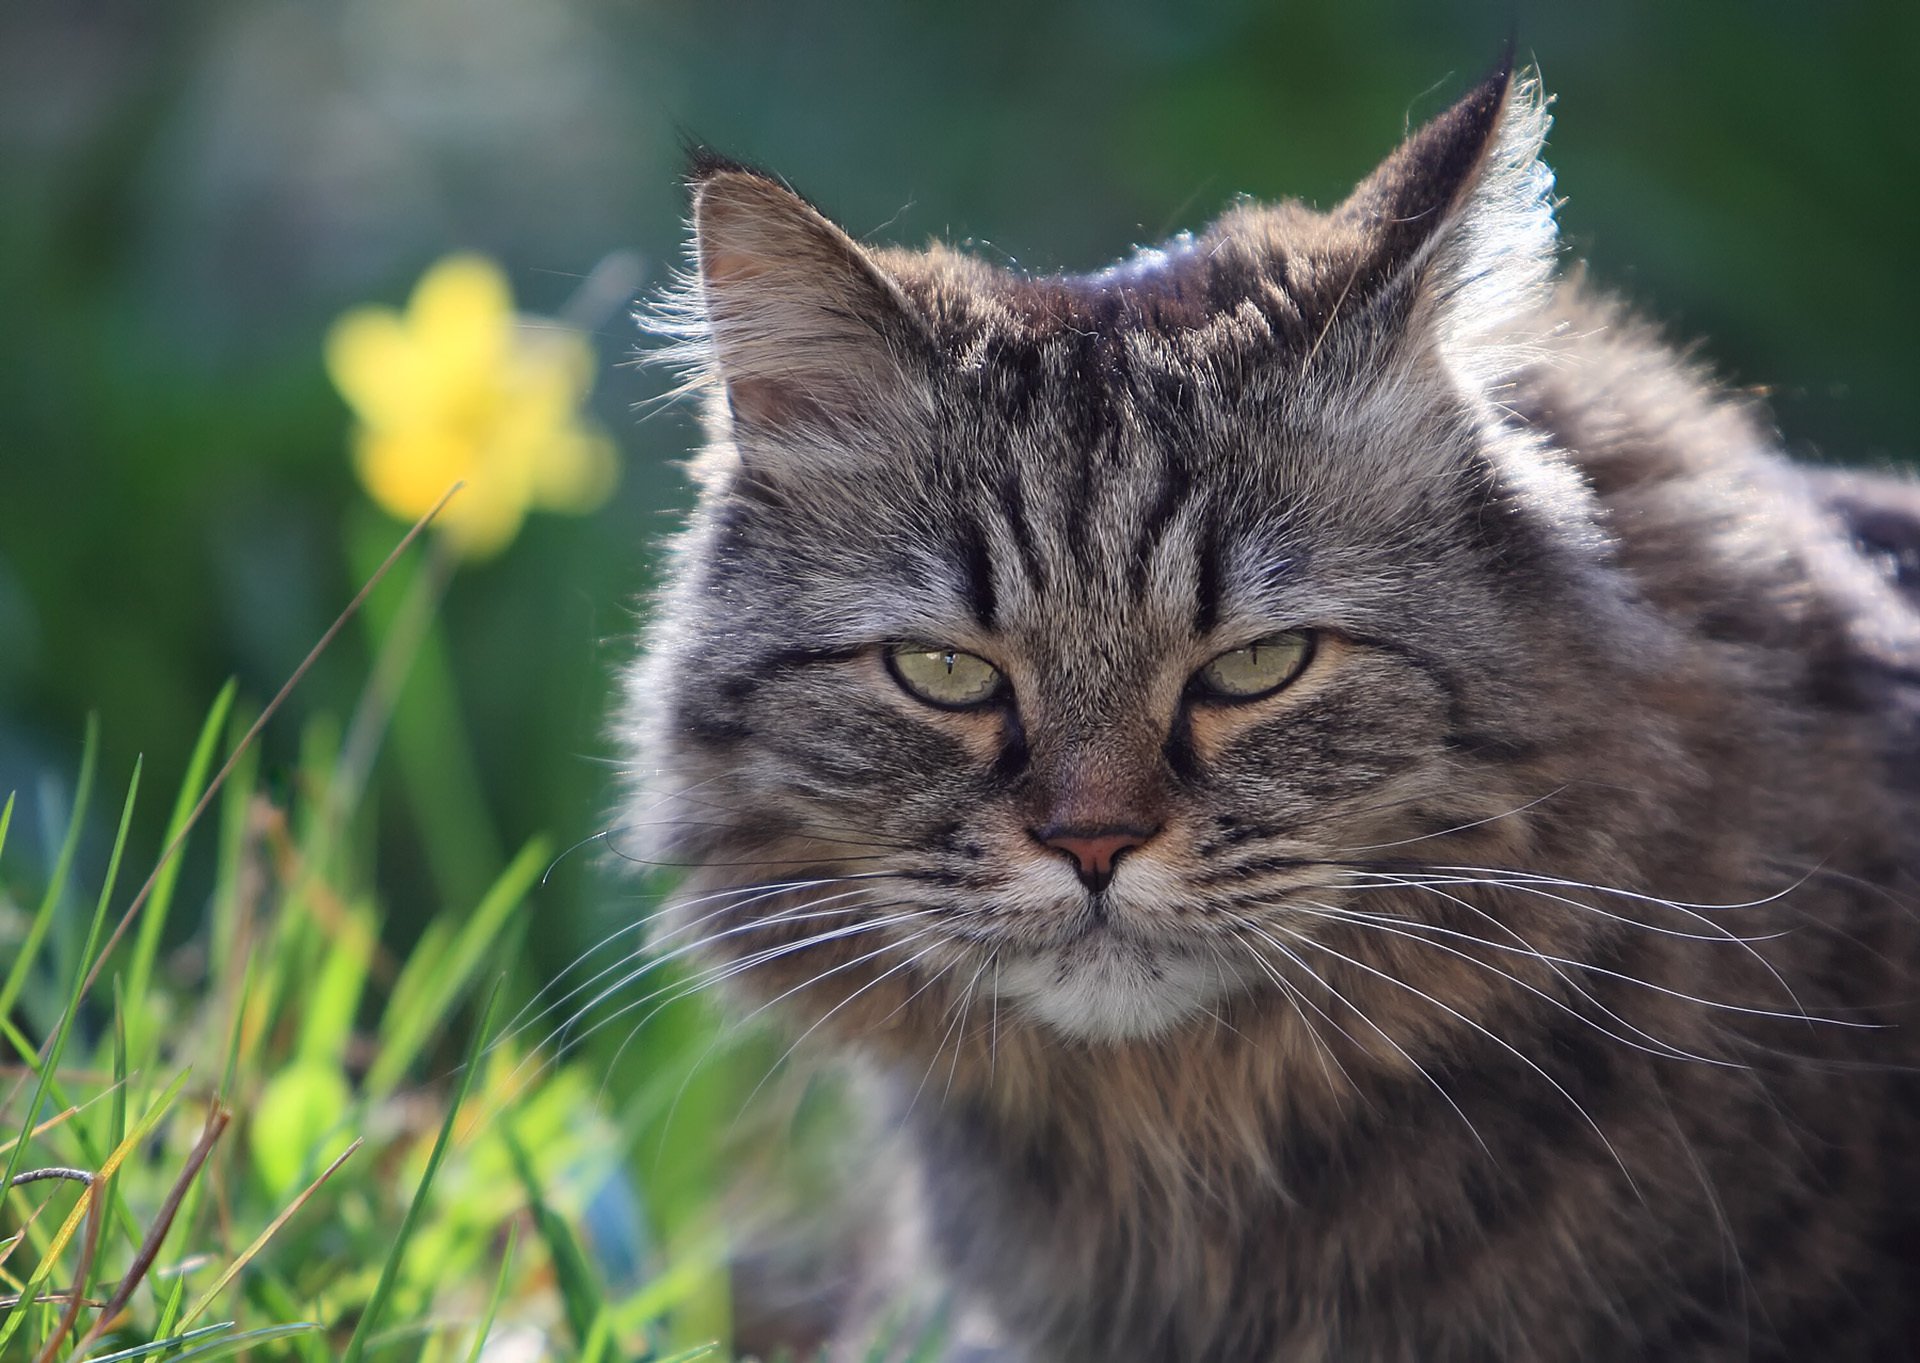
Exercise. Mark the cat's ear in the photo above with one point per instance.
(803, 331)
(1459, 218)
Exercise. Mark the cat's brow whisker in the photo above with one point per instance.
(799, 831)
(705, 864)
(802, 823)
(568, 851)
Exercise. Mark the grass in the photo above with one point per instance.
(280, 1137)
(239, 1119)
(281, 1142)
(236, 1120)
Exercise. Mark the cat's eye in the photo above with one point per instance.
(946, 677)
(1259, 669)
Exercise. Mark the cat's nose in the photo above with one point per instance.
(1094, 850)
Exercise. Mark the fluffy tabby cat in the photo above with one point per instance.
(1351, 801)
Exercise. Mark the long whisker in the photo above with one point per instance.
(754, 893)
(1376, 922)
(677, 990)
(821, 1021)
(1529, 883)
(1514, 1051)
(797, 914)
(1378, 1030)
(1456, 828)
(1300, 1003)
(734, 969)
(1800, 1015)
(968, 994)
(957, 1008)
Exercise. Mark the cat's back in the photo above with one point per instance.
(1721, 531)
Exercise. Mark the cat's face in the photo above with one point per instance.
(1057, 643)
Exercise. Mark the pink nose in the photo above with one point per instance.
(1094, 851)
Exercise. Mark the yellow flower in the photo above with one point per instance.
(458, 388)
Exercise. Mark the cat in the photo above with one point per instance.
(1349, 801)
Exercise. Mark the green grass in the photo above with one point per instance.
(276, 1140)
(239, 1118)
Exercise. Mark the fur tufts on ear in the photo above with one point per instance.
(785, 316)
(1463, 211)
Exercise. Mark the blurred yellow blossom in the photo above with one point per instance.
(459, 388)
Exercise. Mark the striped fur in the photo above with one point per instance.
(1532, 978)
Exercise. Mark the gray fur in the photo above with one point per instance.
(1532, 978)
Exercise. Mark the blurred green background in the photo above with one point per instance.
(190, 191)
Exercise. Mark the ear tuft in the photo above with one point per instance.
(1464, 208)
(796, 325)
(1405, 202)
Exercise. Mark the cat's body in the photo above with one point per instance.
(1518, 962)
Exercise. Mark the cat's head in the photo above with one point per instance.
(1053, 643)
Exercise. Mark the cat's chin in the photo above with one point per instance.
(1106, 990)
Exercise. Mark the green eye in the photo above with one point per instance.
(945, 677)
(1259, 669)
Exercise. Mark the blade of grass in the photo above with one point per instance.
(6, 820)
(253, 731)
(89, 1256)
(148, 1350)
(136, 1273)
(578, 1291)
(233, 1344)
(331, 1000)
(234, 1269)
(13, 1242)
(231, 927)
(56, 881)
(147, 944)
(430, 994)
(58, 1119)
(117, 1122)
(369, 1317)
(493, 1301)
(44, 1270)
(435, 754)
(57, 1043)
